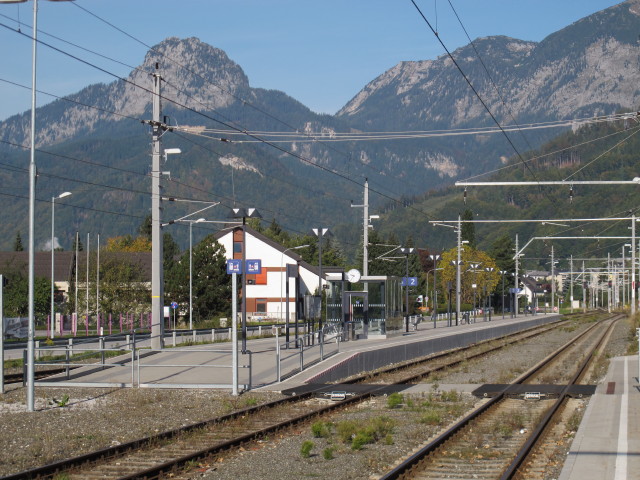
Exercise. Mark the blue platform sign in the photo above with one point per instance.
(174, 305)
(253, 267)
(409, 282)
(234, 266)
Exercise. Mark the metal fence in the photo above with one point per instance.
(117, 363)
(374, 359)
(296, 355)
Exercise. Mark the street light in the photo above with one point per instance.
(286, 279)
(191, 222)
(244, 213)
(53, 313)
(488, 270)
(474, 268)
(503, 273)
(320, 233)
(435, 259)
(406, 251)
(32, 205)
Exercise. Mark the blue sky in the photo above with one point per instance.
(321, 53)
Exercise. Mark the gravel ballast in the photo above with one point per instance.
(91, 419)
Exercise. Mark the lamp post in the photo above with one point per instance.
(435, 259)
(32, 203)
(320, 233)
(457, 264)
(488, 270)
(474, 268)
(53, 313)
(406, 251)
(244, 213)
(191, 222)
(286, 280)
(503, 273)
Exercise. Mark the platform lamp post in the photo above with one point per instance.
(489, 270)
(474, 268)
(191, 222)
(286, 280)
(244, 213)
(435, 259)
(32, 203)
(406, 251)
(457, 263)
(320, 233)
(53, 312)
(503, 273)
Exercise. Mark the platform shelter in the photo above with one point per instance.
(370, 308)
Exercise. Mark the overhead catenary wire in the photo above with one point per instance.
(285, 137)
(208, 81)
(476, 93)
(228, 125)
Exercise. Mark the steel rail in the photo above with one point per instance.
(156, 471)
(524, 451)
(405, 466)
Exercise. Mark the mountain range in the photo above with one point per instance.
(94, 144)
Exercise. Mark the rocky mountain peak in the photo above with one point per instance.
(195, 74)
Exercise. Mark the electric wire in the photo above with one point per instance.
(495, 86)
(243, 101)
(555, 152)
(228, 125)
(485, 106)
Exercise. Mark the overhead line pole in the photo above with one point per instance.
(157, 314)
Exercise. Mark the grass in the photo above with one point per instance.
(321, 429)
(395, 400)
(305, 449)
(327, 453)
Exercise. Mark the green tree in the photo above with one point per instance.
(170, 251)
(467, 276)
(123, 287)
(145, 227)
(468, 229)
(16, 293)
(80, 246)
(211, 284)
(503, 251)
(17, 244)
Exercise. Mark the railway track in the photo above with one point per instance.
(163, 454)
(494, 441)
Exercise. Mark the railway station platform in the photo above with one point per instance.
(607, 443)
(209, 366)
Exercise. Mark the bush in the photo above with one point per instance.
(305, 449)
(327, 453)
(450, 396)
(395, 400)
(379, 427)
(347, 430)
(431, 417)
(320, 430)
(361, 439)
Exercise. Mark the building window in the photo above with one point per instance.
(261, 305)
(237, 247)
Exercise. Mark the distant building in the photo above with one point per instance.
(266, 292)
(64, 267)
(19, 261)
